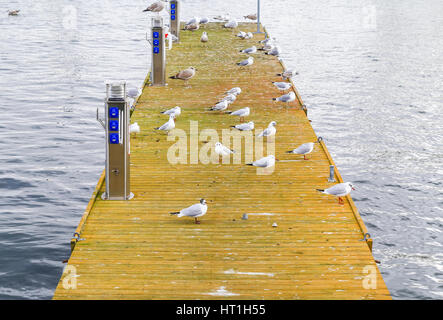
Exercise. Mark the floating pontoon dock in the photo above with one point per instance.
(136, 250)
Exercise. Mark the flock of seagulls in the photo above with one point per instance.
(270, 47)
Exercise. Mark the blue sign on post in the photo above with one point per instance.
(113, 138)
(113, 112)
(113, 125)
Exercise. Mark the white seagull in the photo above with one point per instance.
(195, 211)
(176, 111)
(250, 50)
(265, 162)
(241, 34)
(241, 113)
(195, 20)
(289, 97)
(222, 150)
(304, 149)
(339, 190)
(236, 91)
(231, 24)
(222, 105)
(204, 37)
(230, 98)
(275, 51)
(246, 62)
(269, 131)
(287, 74)
(283, 86)
(244, 126)
(134, 92)
(204, 20)
(168, 126)
(134, 128)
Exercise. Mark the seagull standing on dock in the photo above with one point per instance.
(133, 93)
(222, 105)
(269, 131)
(304, 149)
(339, 190)
(275, 51)
(222, 150)
(195, 211)
(246, 62)
(265, 162)
(192, 27)
(242, 113)
(193, 20)
(287, 74)
(185, 74)
(250, 50)
(282, 86)
(156, 6)
(230, 98)
(204, 21)
(176, 111)
(168, 126)
(204, 37)
(236, 91)
(286, 98)
(231, 24)
(134, 128)
(244, 126)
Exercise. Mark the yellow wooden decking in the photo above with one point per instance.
(136, 250)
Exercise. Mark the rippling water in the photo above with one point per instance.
(370, 74)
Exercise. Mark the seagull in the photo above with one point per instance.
(304, 149)
(222, 105)
(244, 126)
(269, 131)
(236, 91)
(267, 47)
(222, 150)
(204, 37)
(168, 126)
(134, 128)
(275, 51)
(241, 113)
(287, 74)
(231, 24)
(224, 18)
(204, 20)
(250, 50)
(241, 34)
(230, 98)
(289, 97)
(265, 162)
(192, 27)
(283, 86)
(246, 62)
(156, 6)
(134, 92)
(252, 16)
(13, 12)
(267, 41)
(249, 35)
(339, 190)
(194, 20)
(195, 211)
(176, 111)
(185, 74)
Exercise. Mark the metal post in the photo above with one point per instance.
(331, 174)
(174, 15)
(117, 142)
(158, 63)
(258, 17)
